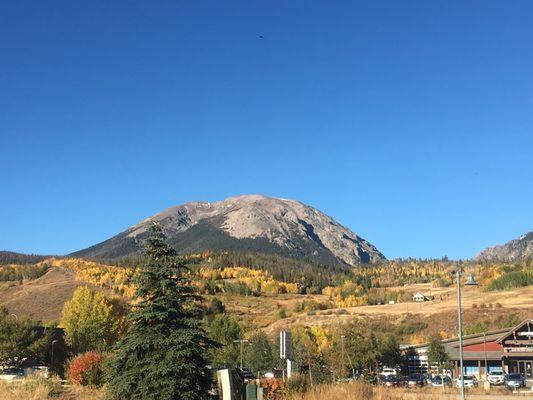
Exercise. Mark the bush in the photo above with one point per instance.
(297, 384)
(312, 305)
(511, 280)
(410, 327)
(216, 307)
(87, 369)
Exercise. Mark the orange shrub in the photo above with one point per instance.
(87, 369)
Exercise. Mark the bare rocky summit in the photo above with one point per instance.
(517, 249)
(248, 223)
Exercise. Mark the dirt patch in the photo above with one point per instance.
(42, 298)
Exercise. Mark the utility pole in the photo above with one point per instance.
(342, 354)
(460, 322)
(241, 341)
(485, 352)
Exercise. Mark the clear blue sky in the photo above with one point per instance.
(411, 122)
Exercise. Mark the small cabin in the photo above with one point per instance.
(420, 297)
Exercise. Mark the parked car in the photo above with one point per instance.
(496, 377)
(390, 381)
(275, 373)
(441, 380)
(11, 374)
(414, 380)
(515, 381)
(469, 381)
(247, 374)
(388, 371)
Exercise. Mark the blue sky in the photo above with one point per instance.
(410, 122)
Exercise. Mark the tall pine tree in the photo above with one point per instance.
(164, 354)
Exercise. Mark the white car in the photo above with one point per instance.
(388, 372)
(11, 374)
(470, 381)
(496, 377)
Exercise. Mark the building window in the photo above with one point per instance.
(471, 368)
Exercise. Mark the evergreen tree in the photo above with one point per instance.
(259, 355)
(164, 354)
(27, 338)
(437, 353)
(226, 330)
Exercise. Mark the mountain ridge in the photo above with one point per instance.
(247, 223)
(516, 249)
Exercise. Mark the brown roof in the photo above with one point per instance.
(469, 339)
(516, 328)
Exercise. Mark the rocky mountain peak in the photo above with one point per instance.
(276, 225)
(517, 249)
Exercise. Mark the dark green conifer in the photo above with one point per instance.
(164, 354)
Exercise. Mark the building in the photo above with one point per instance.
(422, 297)
(510, 349)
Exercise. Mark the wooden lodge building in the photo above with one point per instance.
(510, 349)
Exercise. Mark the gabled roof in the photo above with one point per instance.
(496, 336)
(528, 322)
(468, 339)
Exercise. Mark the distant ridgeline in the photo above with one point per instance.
(10, 257)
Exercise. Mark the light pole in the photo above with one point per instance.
(52, 357)
(485, 352)
(342, 355)
(470, 282)
(241, 341)
(460, 323)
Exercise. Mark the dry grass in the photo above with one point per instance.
(82, 393)
(43, 297)
(43, 389)
(12, 392)
(357, 391)
(361, 391)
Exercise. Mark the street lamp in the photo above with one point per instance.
(471, 281)
(52, 357)
(241, 341)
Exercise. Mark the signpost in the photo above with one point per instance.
(285, 345)
(285, 350)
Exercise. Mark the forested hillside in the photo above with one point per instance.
(260, 289)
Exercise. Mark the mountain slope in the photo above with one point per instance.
(517, 249)
(247, 223)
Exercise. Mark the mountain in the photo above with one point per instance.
(247, 223)
(517, 249)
